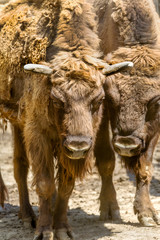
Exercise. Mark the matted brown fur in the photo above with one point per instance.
(146, 59)
(123, 23)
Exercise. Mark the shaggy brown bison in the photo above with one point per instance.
(55, 105)
(132, 100)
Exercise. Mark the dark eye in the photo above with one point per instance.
(153, 108)
(56, 101)
(95, 105)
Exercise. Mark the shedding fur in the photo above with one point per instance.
(126, 23)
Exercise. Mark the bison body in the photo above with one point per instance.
(54, 117)
(133, 97)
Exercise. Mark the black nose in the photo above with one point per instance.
(127, 146)
(77, 147)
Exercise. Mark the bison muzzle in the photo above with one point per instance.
(128, 146)
(76, 147)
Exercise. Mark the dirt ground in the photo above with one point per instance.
(84, 204)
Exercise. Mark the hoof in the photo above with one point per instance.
(156, 218)
(38, 236)
(113, 215)
(46, 235)
(28, 218)
(146, 221)
(29, 222)
(63, 234)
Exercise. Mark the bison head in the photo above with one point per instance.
(134, 106)
(75, 110)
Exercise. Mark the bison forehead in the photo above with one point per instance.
(77, 83)
(139, 89)
(77, 90)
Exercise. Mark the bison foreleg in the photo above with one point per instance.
(40, 153)
(143, 207)
(21, 166)
(3, 191)
(44, 225)
(60, 223)
(105, 161)
(109, 209)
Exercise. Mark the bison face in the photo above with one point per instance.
(77, 113)
(134, 107)
(75, 105)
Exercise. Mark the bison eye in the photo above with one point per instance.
(57, 102)
(95, 105)
(153, 108)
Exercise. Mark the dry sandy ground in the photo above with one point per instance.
(84, 204)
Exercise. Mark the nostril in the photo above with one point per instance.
(135, 151)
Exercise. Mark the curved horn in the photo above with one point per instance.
(110, 69)
(38, 68)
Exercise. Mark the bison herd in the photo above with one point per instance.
(72, 73)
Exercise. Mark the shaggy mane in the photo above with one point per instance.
(35, 31)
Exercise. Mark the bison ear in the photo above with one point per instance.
(115, 68)
(38, 68)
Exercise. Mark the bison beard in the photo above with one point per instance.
(76, 168)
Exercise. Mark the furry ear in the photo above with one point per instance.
(38, 68)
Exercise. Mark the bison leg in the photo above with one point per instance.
(3, 191)
(44, 225)
(105, 161)
(60, 223)
(143, 207)
(46, 191)
(20, 172)
(40, 153)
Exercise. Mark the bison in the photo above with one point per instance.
(132, 103)
(54, 104)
